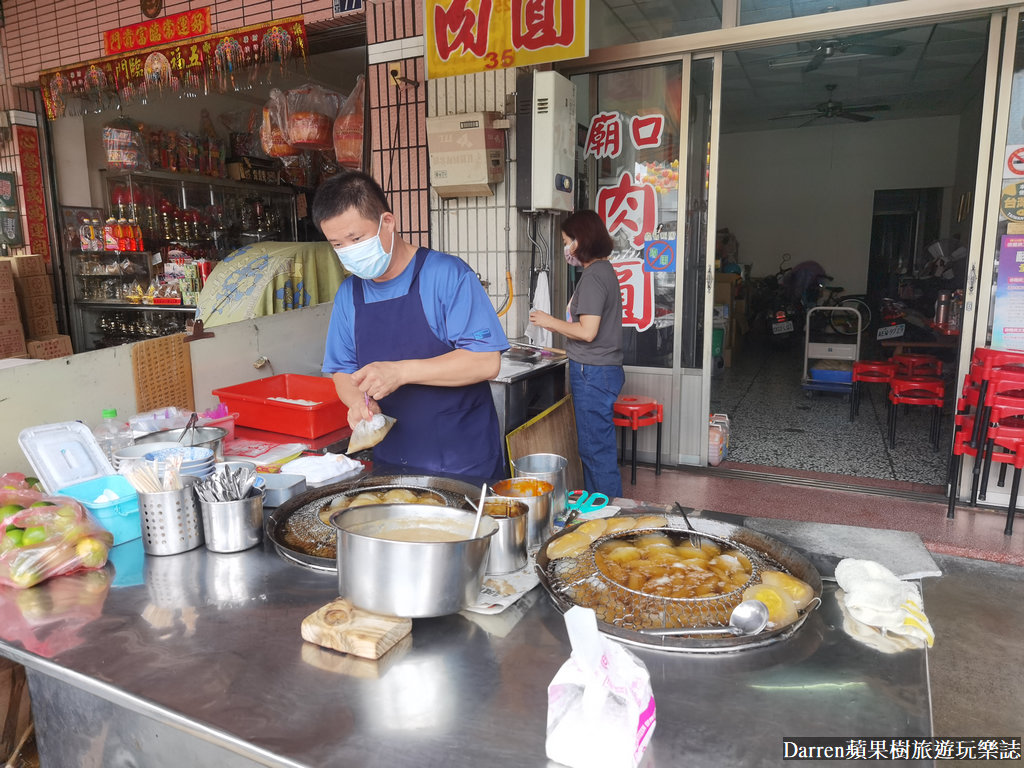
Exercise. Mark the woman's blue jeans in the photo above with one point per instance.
(594, 391)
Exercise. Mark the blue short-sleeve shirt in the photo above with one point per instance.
(455, 304)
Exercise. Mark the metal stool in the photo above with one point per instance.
(635, 412)
(869, 372)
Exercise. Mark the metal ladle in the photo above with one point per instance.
(748, 618)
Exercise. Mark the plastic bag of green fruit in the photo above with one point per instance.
(44, 536)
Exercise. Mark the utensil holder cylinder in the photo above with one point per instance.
(233, 526)
(171, 520)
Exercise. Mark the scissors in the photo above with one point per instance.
(583, 502)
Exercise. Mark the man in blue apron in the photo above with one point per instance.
(413, 335)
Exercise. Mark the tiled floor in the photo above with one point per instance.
(776, 422)
(799, 495)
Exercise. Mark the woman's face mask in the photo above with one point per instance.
(367, 258)
(570, 258)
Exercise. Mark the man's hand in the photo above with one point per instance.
(362, 411)
(380, 379)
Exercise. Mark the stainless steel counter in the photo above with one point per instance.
(196, 659)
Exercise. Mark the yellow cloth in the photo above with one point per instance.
(269, 278)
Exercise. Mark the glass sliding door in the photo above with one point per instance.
(646, 138)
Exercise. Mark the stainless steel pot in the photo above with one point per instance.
(409, 578)
(199, 437)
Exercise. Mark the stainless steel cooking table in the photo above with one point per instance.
(196, 659)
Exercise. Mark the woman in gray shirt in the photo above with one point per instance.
(593, 332)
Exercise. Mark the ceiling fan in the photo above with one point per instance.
(817, 53)
(830, 109)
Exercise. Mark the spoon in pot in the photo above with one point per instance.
(479, 510)
(748, 618)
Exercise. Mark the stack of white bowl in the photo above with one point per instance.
(138, 451)
(194, 461)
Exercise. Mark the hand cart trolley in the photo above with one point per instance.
(819, 345)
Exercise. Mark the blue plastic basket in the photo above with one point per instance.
(120, 516)
(823, 374)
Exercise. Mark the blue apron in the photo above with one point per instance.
(438, 429)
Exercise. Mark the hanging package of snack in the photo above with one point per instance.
(348, 129)
(311, 111)
(125, 145)
(273, 137)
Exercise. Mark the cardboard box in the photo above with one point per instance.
(12, 340)
(27, 264)
(37, 306)
(6, 276)
(467, 154)
(37, 326)
(34, 285)
(50, 347)
(725, 288)
(254, 169)
(9, 308)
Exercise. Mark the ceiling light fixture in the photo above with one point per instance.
(784, 63)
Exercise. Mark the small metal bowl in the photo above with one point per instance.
(206, 437)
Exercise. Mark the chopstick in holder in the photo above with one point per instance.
(143, 476)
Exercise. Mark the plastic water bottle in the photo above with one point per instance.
(112, 434)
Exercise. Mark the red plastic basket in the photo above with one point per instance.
(256, 410)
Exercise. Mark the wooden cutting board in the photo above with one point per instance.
(343, 627)
(553, 431)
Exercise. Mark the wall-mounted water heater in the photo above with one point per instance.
(545, 141)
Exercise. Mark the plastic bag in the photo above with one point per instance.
(243, 132)
(52, 539)
(367, 434)
(310, 112)
(273, 137)
(125, 145)
(348, 129)
(600, 707)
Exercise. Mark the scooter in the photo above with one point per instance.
(784, 313)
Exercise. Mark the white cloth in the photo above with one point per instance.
(541, 301)
(318, 469)
(876, 597)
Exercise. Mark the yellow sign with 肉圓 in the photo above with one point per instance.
(467, 36)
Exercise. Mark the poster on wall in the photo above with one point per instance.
(1008, 314)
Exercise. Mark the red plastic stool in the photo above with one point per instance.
(635, 412)
(917, 365)
(916, 390)
(869, 372)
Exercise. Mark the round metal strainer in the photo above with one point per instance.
(581, 581)
(622, 612)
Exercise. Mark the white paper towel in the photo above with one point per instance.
(541, 301)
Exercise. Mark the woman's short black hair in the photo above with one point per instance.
(591, 236)
(349, 189)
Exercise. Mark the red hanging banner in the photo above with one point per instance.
(221, 62)
(27, 140)
(164, 31)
